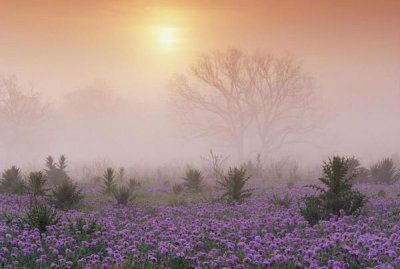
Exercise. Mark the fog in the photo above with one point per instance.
(104, 77)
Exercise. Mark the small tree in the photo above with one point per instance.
(67, 195)
(193, 180)
(337, 197)
(41, 216)
(36, 183)
(12, 182)
(109, 183)
(384, 171)
(233, 185)
(56, 172)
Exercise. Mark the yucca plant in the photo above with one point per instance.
(122, 195)
(36, 183)
(384, 171)
(193, 180)
(67, 195)
(41, 216)
(12, 182)
(233, 185)
(56, 172)
(337, 196)
(109, 183)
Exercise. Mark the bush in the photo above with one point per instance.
(233, 185)
(381, 193)
(12, 182)
(36, 182)
(384, 171)
(360, 173)
(122, 195)
(177, 188)
(55, 172)
(67, 195)
(133, 183)
(193, 180)
(84, 227)
(109, 183)
(41, 216)
(285, 201)
(337, 197)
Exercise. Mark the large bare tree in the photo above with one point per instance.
(244, 97)
(20, 108)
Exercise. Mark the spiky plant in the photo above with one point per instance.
(109, 183)
(133, 183)
(41, 216)
(12, 182)
(337, 196)
(193, 180)
(384, 171)
(36, 183)
(67, 195)
(56, 172)
(122, 194)
(233, 185)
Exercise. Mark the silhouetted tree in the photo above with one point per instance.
(230, 93)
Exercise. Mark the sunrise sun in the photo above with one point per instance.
(166, 36)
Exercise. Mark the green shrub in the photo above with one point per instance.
(381, 193)
(41, 216)
(337, 197)
(233, 185)
(384, 171)
(67, 195)
(12, 182)
(122, 195)
(285, 201)
(193, 180)
(177, 188)
(109, 183)
(290, 184)
(56, 172)
(36, 183)
(84, 227)
(133, 183)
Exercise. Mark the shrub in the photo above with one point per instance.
(193, 180)
(337, 197)
(360, 173)
(381, 193)
(36, 182)
(41, 216)
(122, 194)
(177, 188)
(290, 184)
(233, 185)
(12, 182)
(281, 201)
(83, 227)
(67, 195)
(55, 172)
(384, 171)
(109, 183)
(133, 183)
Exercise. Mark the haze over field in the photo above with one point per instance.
(105, 69)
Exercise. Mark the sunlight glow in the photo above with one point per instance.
(166, 36)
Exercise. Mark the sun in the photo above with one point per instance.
(166, 36)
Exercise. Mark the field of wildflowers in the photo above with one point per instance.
(205, 234)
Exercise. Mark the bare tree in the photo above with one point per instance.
(19, 108)
(236, 95)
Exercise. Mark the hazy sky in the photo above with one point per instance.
(352, 48)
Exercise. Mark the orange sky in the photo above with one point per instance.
(351, 47)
